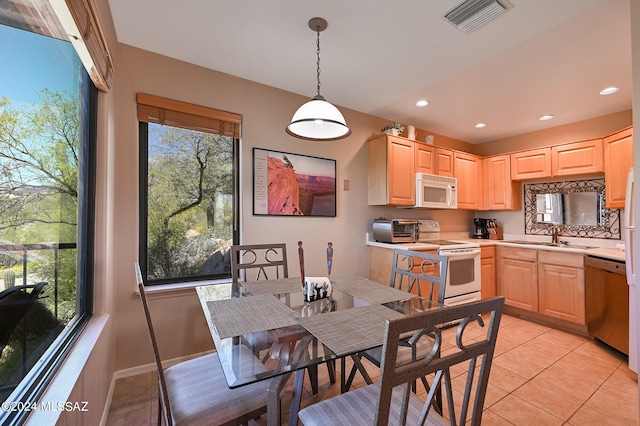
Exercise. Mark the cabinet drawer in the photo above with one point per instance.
(571, 260)
(517, 253)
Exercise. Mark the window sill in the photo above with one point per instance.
(61, 388)
(180, 287)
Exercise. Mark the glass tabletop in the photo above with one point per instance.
(266, 329)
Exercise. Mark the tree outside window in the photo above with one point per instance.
(190, 203)
(188, 190)
(44, 193)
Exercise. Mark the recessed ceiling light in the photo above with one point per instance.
(422, 103)
(480, 125)
(609, 90)
(546, 117)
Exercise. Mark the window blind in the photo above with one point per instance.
(154, 109)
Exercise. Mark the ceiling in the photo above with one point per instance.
(379, 57)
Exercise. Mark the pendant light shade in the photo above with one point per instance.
(318, 120)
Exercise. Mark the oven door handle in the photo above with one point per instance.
(466, 253)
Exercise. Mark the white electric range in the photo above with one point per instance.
(463, 273)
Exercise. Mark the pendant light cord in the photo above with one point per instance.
(318, 60)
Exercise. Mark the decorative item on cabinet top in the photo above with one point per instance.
(411, 132)
(393, 129)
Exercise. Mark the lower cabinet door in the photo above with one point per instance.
(518, 283)
(561, 292)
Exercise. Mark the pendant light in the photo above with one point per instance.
(318, 120)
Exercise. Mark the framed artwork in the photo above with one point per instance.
(286, 184)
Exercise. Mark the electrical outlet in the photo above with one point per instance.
(346, 185)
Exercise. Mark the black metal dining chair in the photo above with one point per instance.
(195, 392)
(424, 274)
(392, 402)
(259, 262)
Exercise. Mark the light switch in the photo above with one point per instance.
(346, 185)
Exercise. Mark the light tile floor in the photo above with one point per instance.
(540, 376)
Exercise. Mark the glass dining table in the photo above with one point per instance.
(283, 334)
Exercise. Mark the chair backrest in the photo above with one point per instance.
(256, 262)
(473, 349)
(424, 272)
(15, 302)
(156, 353)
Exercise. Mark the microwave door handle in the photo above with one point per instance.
(449, 197)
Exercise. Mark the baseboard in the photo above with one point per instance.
(148, 368)
(107, 403)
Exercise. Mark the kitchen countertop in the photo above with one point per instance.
(608, 253)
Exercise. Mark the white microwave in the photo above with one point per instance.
(436, 192)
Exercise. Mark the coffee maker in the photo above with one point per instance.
(481, 228)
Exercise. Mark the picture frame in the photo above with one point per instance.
(287, 184)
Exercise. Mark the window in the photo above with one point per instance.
(188, 196)
(47, 139)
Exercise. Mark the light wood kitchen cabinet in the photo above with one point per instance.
(531, 164)
(443, 162)
(488, 272)
(577, 158)
(380, 264)
(561, 292)
(618, 158)
(467, 169)
(380, 261)
(550, 283)
(500, 192)
(391, 171)
(518, 277)
(425, 158)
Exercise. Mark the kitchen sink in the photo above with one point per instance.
(559, 245)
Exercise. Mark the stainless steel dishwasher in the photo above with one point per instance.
(607, 302)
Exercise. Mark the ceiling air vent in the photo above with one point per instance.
(471, 14)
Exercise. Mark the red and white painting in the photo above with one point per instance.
(293, 185)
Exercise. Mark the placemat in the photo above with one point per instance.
(351, 330)
(287, 285)
(371, 291)
(243, 315)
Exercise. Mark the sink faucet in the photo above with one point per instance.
(555, 231)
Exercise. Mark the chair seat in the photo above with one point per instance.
(359, 407)
(199, 395)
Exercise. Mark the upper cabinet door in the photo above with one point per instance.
(424, 155)
(532, 164)
(577, 158)
(501, 193)
(443, 162)
(401, 178)
(468, 170)
(618, 158)
(391, 171)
